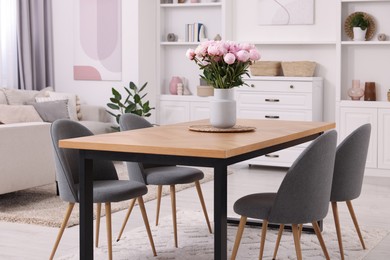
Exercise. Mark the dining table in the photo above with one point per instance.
(190, 144)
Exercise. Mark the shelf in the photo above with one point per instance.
(296, 43)
(169, 97)
(179, 43)
(363, 1)
(365, 104)
(365, 43)
(190, 5)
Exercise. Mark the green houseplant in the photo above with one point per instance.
(359, 23)
(134, 102)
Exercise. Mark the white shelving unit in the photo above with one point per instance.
(367, 61)
(172, 18)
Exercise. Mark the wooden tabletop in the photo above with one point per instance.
(178, 140)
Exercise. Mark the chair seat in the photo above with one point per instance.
(171, 175)
(255, 205)
(116, 190)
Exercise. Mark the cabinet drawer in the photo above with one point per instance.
(252, 100)
(283, 158)
(280, 86)
(297, 115)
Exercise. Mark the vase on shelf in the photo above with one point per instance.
(173, 84)
(369, 91)
(223, 108)
(355, 92)
(359, 34)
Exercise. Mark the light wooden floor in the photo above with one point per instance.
(20, 241)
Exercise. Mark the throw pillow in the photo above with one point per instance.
(10, 114)
(52, 110)
(20, 97)
(71, 102)
(3, 98)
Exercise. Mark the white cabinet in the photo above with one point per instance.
(176, 109)
(384, 138)
(378, 115)
(281, 98)
(351, 118)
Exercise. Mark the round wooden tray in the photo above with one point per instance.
(370, 29)
(211, 129)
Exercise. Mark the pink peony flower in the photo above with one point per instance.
(229, 58)
(254, 55)
(190, 54)
(243, 55)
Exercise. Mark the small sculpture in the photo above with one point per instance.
(381, 37)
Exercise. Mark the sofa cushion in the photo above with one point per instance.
(3, 98)
(52, 110)
(72, 101)
(20, 97)
(18, 113)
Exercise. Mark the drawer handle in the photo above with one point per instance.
(272, 155)
(272, 117)
(272, 100)
(291, 86)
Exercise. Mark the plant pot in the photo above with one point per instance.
(359, 34)
(223, 109)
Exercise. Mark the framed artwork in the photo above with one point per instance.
(97, 40)
(285, 12)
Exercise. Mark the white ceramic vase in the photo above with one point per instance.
(223, 108)
(359, 34)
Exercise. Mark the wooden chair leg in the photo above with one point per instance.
(159, 193)
(355, 222)
(200, 194)
(62, 228)
(146, 221)
(240, 230)
(338, 228)
(280, 233)
(109, 230)
(317, 230)
(297, 241)
(173, 203)
(98, 215)
(300, 230)
(263, 235)
(126, 219)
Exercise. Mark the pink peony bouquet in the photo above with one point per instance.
(224, 62)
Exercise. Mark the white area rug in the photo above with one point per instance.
(195, 243)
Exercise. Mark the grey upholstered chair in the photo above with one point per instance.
(350, 162)
(106, 186)
(303, 196)
(152, 174)
(348, 175)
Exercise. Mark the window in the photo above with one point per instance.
(8, 44)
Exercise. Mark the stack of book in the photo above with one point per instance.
(194, 32)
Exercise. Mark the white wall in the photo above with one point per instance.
(133, 46)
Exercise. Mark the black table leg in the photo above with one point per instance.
(220, 212)
(86, 208)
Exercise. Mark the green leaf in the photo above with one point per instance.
(113, 106)
(116, 94)
(137, 99)
(132, 86)
(142, 88)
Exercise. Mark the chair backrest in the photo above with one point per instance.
(351, 156)
(67, 160)
(127, 122)
(304, 193)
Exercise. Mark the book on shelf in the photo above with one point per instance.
(194, 32)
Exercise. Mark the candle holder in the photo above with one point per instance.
(369, 91)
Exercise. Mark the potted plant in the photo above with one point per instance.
(133, 102)
(359, 25)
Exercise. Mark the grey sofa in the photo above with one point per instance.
(26, 156)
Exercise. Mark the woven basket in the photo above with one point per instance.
(266, 68)
(298, 68)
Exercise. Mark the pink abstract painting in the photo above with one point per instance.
(97, 40)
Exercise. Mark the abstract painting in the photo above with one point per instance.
(97, 40)
(285, 12)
